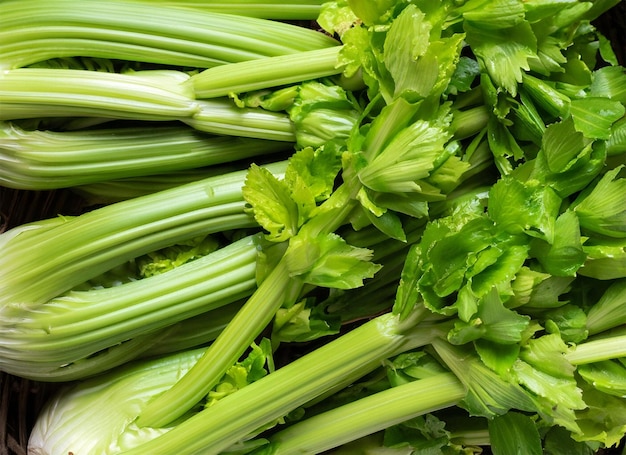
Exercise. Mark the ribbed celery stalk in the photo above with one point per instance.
(336, 364)
(221, 116)
(110, 191)
(598, 349)
(266, 9)
(32, 31)
(37, 160)
(38, 340)
(154, 95)
(265, 73)
(46, 92)
(368, 415)
(49, 261)
(193, 332)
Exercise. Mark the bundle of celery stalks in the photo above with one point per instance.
(360, 227)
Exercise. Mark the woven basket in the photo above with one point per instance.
(22, 399)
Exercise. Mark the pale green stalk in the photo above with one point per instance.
(46, 92)
(78, 324)
(266, 9)
(110, 191)
(221, 116)
(195, 331)
(467, 123)
(597, 350)
(101, 362)
(32, 31)
(335, 364)
(184, 335)
(38, 160)
(154, 95)
(368, 415)
(265, 73)
(48, 262)
(95, 416)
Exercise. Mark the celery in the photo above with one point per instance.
(154, 95)
(192, 332)
(278, 287)
(220, 116)
(266, 9)
(332, 366)
(83, 247)
(39, 341)
(265, 73)
(47, 159)
(525, 231)
(355, 419)
(597, 350)
(398, 152)
(151, 95)
(32, 31)
(117, 190)
(132, 385)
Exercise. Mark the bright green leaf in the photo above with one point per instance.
(594, 116)
(271, 203)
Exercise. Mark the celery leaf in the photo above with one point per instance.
(329, 261)
(503, 53)
(602, 209)
(594, 116)
(514, 432)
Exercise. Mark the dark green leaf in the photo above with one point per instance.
(514, 434)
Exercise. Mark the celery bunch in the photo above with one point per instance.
(437, 265)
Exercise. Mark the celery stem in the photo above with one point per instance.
(265, 73)
(598, 350)
(339, 362)
(369, 415)
(241, 331)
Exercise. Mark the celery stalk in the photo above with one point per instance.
(266, 9)
(40, 159)
(110, 191)
(335, 364)
(154, 95)
(245, 325)
(597, 350)
(69, 253)
(220, 116)
(192, 332)
(265, 73)
(80, 323)
(252, 318)
(128, 387)
(32, 31)
(150, 95)
(357, 419)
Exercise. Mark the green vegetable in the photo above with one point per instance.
(61, 338)
(50, 159)
(266, 9)
(98, 241)
(450, 213)
(33, 32)
(155, 95)
(264, 73)
(132, 385)
(83, 247)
